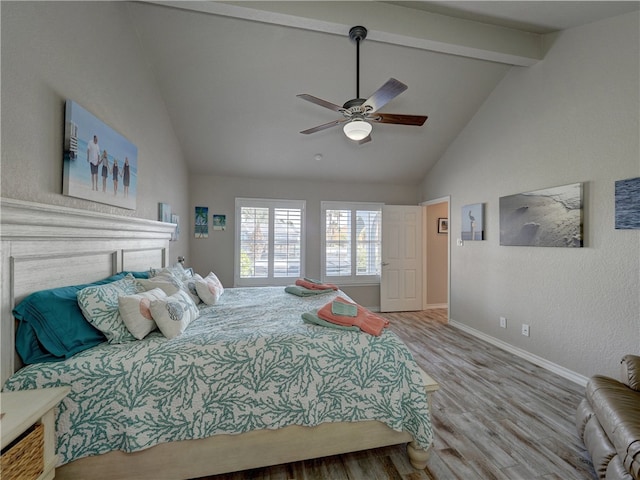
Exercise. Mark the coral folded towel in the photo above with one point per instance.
(365, 320)
(313, 285)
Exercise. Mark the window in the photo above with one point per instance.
(351, 242)
(269, 241)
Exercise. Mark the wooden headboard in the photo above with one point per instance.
(48, 246)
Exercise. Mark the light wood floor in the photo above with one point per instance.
(496, 416)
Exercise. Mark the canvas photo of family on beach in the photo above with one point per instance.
(99, 163)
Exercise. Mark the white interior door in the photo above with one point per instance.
(401, 279)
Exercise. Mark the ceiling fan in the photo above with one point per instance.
(358, 113)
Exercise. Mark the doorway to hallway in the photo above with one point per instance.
(436, 253)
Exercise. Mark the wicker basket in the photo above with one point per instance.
(24, 458)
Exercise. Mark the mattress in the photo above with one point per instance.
(247, 363)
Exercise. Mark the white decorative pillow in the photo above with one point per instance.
(135, 312)
(168, 284)
(185, 283)
(209, 289)
(190, 286)
(99, 305)
(178, 270)
(174, 314)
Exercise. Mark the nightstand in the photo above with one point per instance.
(25, 408)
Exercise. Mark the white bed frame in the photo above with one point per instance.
(47, 246)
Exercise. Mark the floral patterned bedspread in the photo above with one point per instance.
(248, 362)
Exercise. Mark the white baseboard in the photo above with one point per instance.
(435, 305)
(428, 307)
(546, 364)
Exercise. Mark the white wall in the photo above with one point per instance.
(216, 253)
(87, 52)
(573, 117)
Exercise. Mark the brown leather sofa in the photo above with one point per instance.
(608, 421)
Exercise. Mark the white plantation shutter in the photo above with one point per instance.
(368, 242)
(287, 242)
(351, 251)
(254, 242)
(269, 241)
(338, 243)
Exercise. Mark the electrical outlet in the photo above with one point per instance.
(525, 329)
(503, 322)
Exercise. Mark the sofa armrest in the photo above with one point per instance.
(630, 371)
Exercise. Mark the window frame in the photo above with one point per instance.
(353, 207)
(271, 204)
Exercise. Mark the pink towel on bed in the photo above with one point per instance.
(315, 286)
(366, 320)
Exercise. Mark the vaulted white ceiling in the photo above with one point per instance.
(229, 73)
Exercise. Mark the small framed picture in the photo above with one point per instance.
(219, 222)
(176, 234)
(164, 212)
(443, 225)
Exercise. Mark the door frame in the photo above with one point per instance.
(424, 204)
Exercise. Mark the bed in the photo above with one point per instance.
(170, 428)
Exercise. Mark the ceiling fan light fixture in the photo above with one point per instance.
(358, 113)
(357, 129)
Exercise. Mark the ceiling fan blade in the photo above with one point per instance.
(417, 120)
(324, 126)
(387, 92)
(319, 101)
(366, 139)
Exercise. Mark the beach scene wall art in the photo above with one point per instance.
(628, 204)
(552, 217)
(201, 229)
(99, 164)
(219, 222)
(473, 222)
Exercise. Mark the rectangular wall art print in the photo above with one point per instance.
(628, 204)
(443, 225)
(219, 222)
(99, 164)
(201, 229)
(551, 217)
(473, 222)
(164, 212)
(176, 234)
